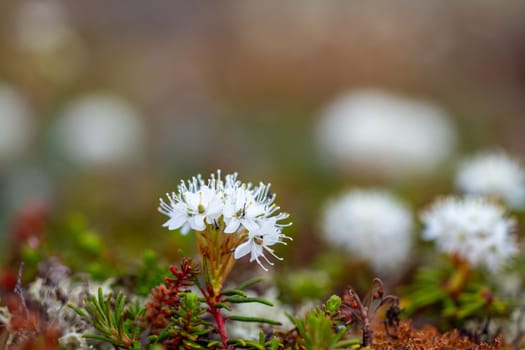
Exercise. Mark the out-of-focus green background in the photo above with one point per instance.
(239, 86)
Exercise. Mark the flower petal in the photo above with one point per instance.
(232, 226)
(242, 250)
(197, 223)
(175, 222)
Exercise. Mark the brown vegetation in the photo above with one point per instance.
(428, 338)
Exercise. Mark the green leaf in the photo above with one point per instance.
(333, 304)
(469, 309)
(274, 345)
(348, 342)
(245, 343)
(223, 306)
(233, 292)
(253, 319)
(250, 283)
(78, 311)
(103, 338)
(213, 343)
(237, 300)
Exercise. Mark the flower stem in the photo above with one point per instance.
(457, 281)
(212, 300)
(216, 254)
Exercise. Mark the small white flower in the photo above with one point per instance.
(493, 174)
(372, 131)
(473, 228)
(244, 206)
(241, 208)
(195, 205)
(373, 226)
(260, 238)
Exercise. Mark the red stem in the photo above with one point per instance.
(211, 300)
(221, 328)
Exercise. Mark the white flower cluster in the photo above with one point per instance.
(473, 228)
(231, 204)
(372, 225)
(493, 174)
(385, 134)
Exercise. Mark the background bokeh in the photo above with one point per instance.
(190, 87)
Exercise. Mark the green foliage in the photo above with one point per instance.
(432, 290)
(90, 243)
(333, 304)
(149, 274)
(320, 330)
(427, 289)
(116, 321)
(475, 301)
(82, 248)
(175, 317)
(260, 344)
(186, 328)
(31, 256)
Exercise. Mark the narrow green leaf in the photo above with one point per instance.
(98, 309)
(237, 341)
(223, 306)
(253, 319)
(250, 283)
(237, 300)
(234, 292)
(103, 338)
(213, 343)
(188, 344)
(469, 309)
(78, 311)
(290, 317)
(348, 342)
(254, 344)
(274, 345)
(300, 327)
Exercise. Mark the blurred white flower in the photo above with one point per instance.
(374, 131)
(250, 330)
(100, 130)
(493, 174)
(474, 228)
(15, 123)
(373, 226)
